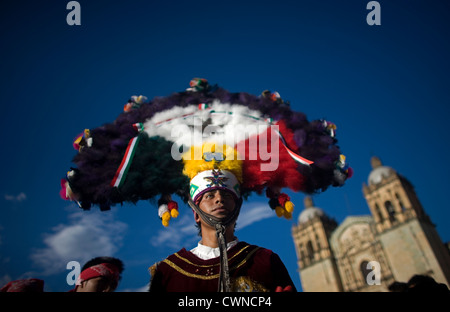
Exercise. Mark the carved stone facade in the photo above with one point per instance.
(368, 253)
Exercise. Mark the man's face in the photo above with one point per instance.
(96, 284)
(218, 203)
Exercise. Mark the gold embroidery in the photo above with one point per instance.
(180, 270)
(208, 277)
(246, 284)
(245, 259)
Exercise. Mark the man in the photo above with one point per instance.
(137, 157)
(24, 285)
(100, 274)
(211, 266)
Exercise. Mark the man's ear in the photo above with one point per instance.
(196, 217)
(81, 286)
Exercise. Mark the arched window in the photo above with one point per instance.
(378, 212)
(310, 250)
(390, 209)
(301, 252)
(302, 255)
(400, 202)
(318, 242)
(364, 270)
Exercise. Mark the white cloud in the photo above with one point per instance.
(89, 235)
(16, 198)
(180, 232)
(253, 212)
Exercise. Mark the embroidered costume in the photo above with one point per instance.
(252, 269)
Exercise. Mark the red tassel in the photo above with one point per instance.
(63, 191)
(172, 205)
(283, 198)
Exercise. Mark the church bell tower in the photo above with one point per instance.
(407, 234)
(317, 267)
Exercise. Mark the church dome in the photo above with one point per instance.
(379, 172)
(310, 211)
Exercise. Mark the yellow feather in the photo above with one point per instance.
(165, 218)
(289, 206)
(288, 215)
(194, 162)
(279, 211)
(174, 213)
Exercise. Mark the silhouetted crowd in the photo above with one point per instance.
(419, 283)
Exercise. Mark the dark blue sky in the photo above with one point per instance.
(385, 87)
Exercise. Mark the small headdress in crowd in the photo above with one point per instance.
(201, 138)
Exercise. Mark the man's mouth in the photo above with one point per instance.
(220, 209)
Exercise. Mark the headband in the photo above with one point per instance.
(107, 270)
(215, 179)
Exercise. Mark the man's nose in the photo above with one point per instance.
(219, 198)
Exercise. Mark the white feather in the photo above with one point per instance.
(162, 209)
(222, 122)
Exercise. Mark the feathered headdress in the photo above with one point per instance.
(204, 137)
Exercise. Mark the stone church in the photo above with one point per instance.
(368, 253)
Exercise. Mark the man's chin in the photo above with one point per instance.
(221, 216)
